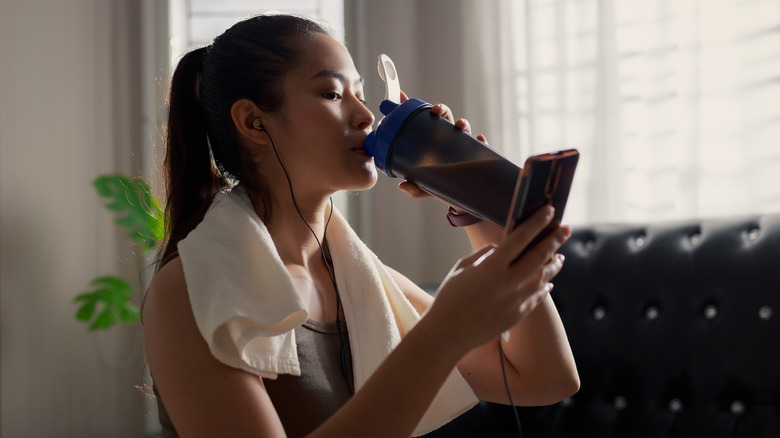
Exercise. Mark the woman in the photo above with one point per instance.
(278, 104)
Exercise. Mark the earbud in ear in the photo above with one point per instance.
(258, 124)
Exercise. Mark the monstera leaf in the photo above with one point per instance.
(140, 214)
(137, 210)
(112, 297)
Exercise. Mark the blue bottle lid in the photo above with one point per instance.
(378, 142)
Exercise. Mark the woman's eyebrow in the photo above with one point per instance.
(330, 73)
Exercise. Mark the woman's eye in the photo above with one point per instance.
(332, 96)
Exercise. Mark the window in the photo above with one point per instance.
(194, 23)
(673, 104)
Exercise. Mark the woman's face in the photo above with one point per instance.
(320, 128)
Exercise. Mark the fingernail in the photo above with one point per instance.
(550, 212)
(548, 287)
(561, 258)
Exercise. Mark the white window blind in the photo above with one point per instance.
(674, 104)
(194, 23)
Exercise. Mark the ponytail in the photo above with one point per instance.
(191, 178)
(202, 153)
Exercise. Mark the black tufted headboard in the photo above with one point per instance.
(675, 329)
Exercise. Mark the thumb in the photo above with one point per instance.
(476, 257)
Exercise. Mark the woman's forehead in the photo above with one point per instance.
(323, 56)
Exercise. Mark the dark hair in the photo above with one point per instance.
(202, 155)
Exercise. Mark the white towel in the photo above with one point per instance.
(246, 306)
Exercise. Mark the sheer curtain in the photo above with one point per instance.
(674, 105)
(671, 102)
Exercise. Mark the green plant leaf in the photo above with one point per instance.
(86, 310)
(113, 295)
(137, 210)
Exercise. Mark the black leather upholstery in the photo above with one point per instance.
(675, 328)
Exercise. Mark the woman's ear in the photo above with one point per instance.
(248, 120)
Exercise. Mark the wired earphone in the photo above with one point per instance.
(257, 123)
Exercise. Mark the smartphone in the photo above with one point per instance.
(544, 180)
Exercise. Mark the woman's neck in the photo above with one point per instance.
(297, 228)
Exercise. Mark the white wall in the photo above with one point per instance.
(71, 95)
(69, 110)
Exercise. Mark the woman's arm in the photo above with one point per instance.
(540, 366)
(203, 396)
(207, 398)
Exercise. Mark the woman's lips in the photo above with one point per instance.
(361, 151)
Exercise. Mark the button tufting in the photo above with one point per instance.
(567, 402)
(765, 313)
(599, 313)
(620, 403)
(675, 405)
(737, 407)
(651, 313)
(711, 311)
(753, 233)
(588, 244)
(694, 239)
(640, 240)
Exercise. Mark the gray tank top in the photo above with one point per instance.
(306, 401)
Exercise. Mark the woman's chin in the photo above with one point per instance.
(367, 179)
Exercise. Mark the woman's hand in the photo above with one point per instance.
(444, 111)
(491, 290)
(482, 233)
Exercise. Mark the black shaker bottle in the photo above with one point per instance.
(412, 143)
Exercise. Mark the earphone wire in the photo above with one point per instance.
(502, 358)
(342, 351)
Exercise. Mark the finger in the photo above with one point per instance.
(550, 244)
(530, 303)
(442, 110)
(516, 240)
(524, 261)
(482, 138)
(552, 268)
(404, 97)
(532, 267)
(463, 125)
(412, 190)
(476, 257)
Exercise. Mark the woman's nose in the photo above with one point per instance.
(364, 117)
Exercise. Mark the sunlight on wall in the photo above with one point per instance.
(673, 104)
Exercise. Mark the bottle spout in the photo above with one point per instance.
(389, 75)
(387, 106)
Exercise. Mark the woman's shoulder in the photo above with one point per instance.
(169, 328)
(171, 269)
(167, 292)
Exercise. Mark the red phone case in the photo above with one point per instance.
(544, 180)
